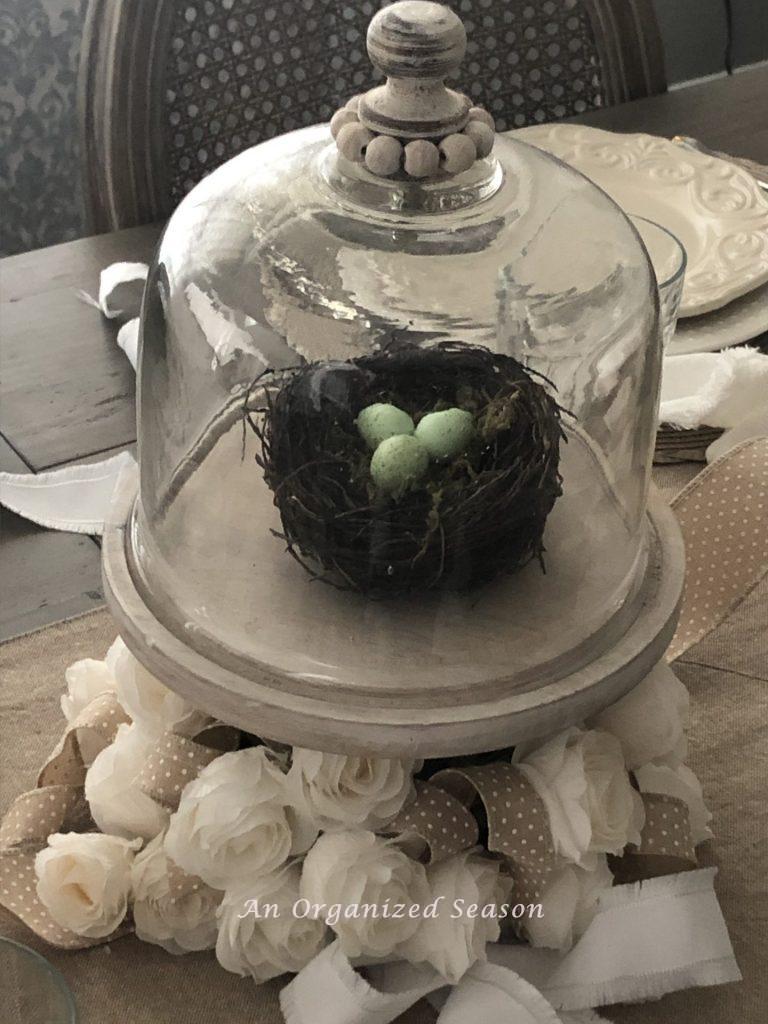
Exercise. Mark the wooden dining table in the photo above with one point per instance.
(67, 391)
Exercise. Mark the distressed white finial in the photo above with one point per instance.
(416, 44)
(414, 125)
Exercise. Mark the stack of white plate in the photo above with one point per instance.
(714, 207)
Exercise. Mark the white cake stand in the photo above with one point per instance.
(427, 678)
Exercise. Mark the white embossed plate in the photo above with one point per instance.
(741, 320)
(714, 207)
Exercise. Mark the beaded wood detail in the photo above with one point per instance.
(240, 73)
(414, 124)
(386, 155)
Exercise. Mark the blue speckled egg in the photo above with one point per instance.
(446, 434)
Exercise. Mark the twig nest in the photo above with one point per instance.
(380, 421)
(452, 505)
(398, 463)
(446, 434)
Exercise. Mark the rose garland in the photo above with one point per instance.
(198, 822)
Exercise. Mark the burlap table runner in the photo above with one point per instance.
(130, 981)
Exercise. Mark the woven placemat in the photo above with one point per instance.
(676, 445)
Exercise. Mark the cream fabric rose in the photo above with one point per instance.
(254, 941)
(117, 803)
(156, 708)
(592, 807)
(456, 936)
(85, 679)
(683, 784)
(350, 877)
(236, 820)
(84, 880)
(180, 922)
(568, 905)
(650, 721)
(342, 791)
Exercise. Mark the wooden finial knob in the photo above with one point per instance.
(416, 39)
(414, 126)
(416, 44)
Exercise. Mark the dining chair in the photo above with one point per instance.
(170, 89)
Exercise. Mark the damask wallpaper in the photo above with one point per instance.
(41, 199)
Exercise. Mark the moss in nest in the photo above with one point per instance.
(467, 521)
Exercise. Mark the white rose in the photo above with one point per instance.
(650, 720)
(84, 880)
(115, 650)
(592, 807)
(147, 700)
(85, 679)
(456, 937)
(179, 922)
(117, 804)
(683, 784)
(236, 820)
(568, 905)
(358, 882)
(362, 792)
(252, 940)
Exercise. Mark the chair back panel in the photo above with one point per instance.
(237, 72)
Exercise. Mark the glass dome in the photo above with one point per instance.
(293, 252)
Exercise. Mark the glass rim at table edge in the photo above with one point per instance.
(57, 977)
(680, 270)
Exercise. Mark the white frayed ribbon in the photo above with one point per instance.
(330, 991)
(75, 498)
(128, 340)
(646, 940)
(717, 389)
(121, 286)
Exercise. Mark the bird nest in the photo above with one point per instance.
(468, 520)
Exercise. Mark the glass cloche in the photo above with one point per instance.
(406, 231)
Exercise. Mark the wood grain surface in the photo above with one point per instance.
(67, 391)
(45, 576)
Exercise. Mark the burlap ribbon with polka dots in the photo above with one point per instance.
(722, 514)
(176, 760)
(443, 820)
(666, 845)
(434, 826)
(58, 804)
(518, 823)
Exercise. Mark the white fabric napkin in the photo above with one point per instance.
(75, 498)
(726, 389)
(121, 286)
